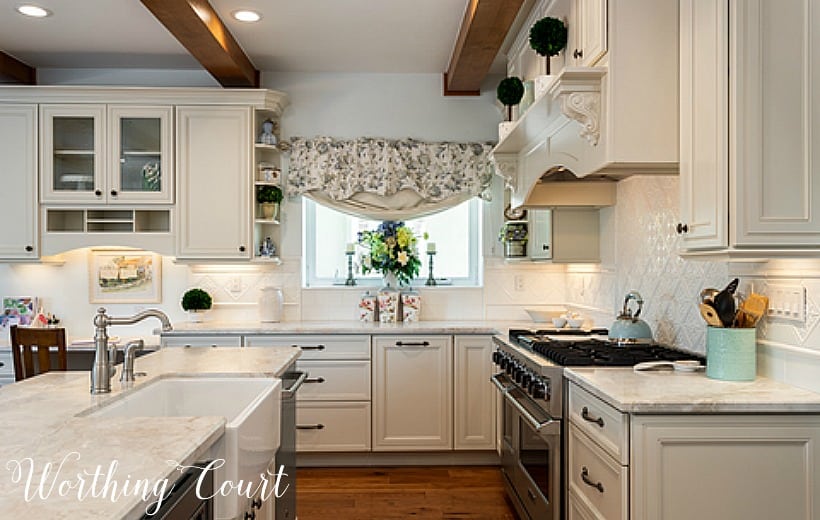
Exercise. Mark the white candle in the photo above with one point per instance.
(351, 247)
(431, 247)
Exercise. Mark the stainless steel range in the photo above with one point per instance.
(531, 381)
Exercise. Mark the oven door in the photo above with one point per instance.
(531, 458)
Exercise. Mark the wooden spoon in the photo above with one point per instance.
(710, 315)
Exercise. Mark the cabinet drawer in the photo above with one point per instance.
(603, 423)
(203, 341)
(316, 346)
(335, 381)
(595, 479)
(6, 364)
(341, 426)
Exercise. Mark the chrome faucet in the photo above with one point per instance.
(104, 355)
(130, 352)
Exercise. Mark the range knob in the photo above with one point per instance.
(505, 360)
(525, 379)
(539, 390)
(496, 357)
(510, 367)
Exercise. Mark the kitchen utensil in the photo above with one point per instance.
(755, 307)
(710, 315)
(684, 365)
(708, 295)
(724, 303)
(628, 328)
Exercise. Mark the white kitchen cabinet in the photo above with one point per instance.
(18, 198)
(749, 136)
(587, 38)
(342, 426)
(715, 467)
(213, 164)
(598, 482)
(226, 340)
(413, 393)
(473, 394)
(106, 154)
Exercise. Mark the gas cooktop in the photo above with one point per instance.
(592, 348)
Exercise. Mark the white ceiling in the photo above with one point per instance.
(389, 36)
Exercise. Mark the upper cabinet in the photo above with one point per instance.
(749, 134)
(612, 109)
(18, 198)
(98, 154)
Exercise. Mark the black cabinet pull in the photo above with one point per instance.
(241, 249)
(597, 420)
(309, 347)
(412, 343)
(113, 193)
(318, 426)
(256, 503)
(250, 515)
(315, 380)
(29, 249)
(578, 53)
(98, 193)
(590, 483)
(682, 228)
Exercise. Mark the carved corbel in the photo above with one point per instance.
(585, 108)
(506, 167)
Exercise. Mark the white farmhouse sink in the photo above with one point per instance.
(249, 404)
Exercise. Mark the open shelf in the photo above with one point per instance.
(107, 221)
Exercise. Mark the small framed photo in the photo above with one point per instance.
(124, 276)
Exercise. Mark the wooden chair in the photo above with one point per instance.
(22, 341)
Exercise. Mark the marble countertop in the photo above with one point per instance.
(342, 327)
(40, 425)
(667, 391)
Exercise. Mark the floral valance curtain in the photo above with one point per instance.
(386, 178)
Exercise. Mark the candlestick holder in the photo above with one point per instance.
(350, 280)
(431, 281)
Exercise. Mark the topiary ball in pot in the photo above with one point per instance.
(269, 197)
(509, 93)
(195, 301)
(548, 37)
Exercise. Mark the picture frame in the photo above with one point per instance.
(124, 276)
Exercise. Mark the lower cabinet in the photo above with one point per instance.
(202, 341)
(474, 396)
(680, 467)
(412, 393)
(332, 426)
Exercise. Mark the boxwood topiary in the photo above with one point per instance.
(509, 93)
(196, 300)
(268, 194)
(548, 37)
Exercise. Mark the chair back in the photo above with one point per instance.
(25, 341)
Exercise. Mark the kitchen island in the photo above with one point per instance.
(44, 421)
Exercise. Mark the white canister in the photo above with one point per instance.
(270, 304)
(368, 307)
(410, 305)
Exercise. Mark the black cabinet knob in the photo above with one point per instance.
(241, 249)
(98, 193)
(113, 193)
(682, 228)
(578, 53)
(256, 503)
(29, 249)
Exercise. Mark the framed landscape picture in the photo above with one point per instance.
(124, 276)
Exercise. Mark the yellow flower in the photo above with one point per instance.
(403, 236)
(402, 258)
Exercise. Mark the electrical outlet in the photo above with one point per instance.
(787, 302)
(235, 285)
(518, 282)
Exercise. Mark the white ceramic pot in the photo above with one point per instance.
(195, 316)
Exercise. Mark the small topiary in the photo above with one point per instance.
(196, 300)
(548, 37)
(509, 93)
(268, 194)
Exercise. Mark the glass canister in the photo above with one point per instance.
(270, 304)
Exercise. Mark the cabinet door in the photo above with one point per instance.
(776, 123)
(412, 393)
(213, 161)
(141, 165)
(18, 198)
(474, 394)
(540, 234)
(587, 41)
(72, 153)
(704, 105)
(719, 467)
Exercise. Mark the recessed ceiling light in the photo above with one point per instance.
(244, 15)
(33, 10)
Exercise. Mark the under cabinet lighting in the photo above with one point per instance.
(34, 11)
(244, 15)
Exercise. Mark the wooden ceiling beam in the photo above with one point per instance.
(198, 28)
(483, 29)
(15, 70)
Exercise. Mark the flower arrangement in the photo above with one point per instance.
(391, 249)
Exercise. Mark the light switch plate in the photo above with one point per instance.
(787, 302)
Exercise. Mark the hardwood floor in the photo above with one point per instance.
(473, 492)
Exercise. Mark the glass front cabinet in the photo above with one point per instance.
(106, 154)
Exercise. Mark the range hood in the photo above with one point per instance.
(559, 188)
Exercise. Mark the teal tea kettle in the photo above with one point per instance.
(628, 328)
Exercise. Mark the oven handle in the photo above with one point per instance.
(548, 427)
(496, 379)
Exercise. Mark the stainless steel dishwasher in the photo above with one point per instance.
(285, 506)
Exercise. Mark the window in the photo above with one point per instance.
(456, 233)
